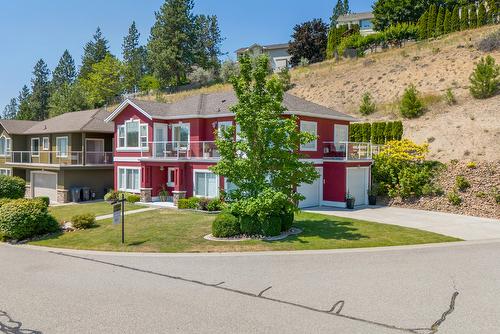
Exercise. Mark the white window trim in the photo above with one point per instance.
(226, 124)
(170, 182)
(7, 143)
(178, 125)
(127, 148)
(45, 140)
(136, 191)
(58, 151)
(7, 170)
(206, 171)
(310, 149)
(37, 154)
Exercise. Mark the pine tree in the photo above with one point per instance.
(492, 12)
(422, 26)
(68, 98)
(346, 7)
(455, 19)
(367, 105)
(65, 71)
(485, 80)
(472, 16)
(170, 46)
(464, 18)
(40, 91)
(208, 40)
(93, 52)
(481, 15)
(440, 21)
(10, 110)
(338, 10)
(447, 22)
(411, 106)
(431, 21)
(24, 106)
(134, 59)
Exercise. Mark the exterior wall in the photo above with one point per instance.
(98, 180)
(334, 179)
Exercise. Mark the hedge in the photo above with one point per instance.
(376, 133)
(225, 225)
(12, 187)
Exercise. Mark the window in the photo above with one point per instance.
(144, 135)
(45, 143)
(35, 147)
(205, 184)
(132, 135)
(5, 171)
(129, 179)
(3, 150)
(180, 135)
(366, 24)
(121, 136)
(62, 147)
(221, 126)
(170, 176)
(312, 128)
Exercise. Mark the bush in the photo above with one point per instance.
(215, 205)
(132, 198)
(12, 187)
(25, 218)
(203, 204)
(450, 97)
(286, 221)
(44, 199)
(111, 196)
(461, 183)
(4, 201)
(225, 225)
(367, 106)
(411, 106)
(271, 226)
(189, 203)
(285, 78)
(471, 165)
(149, 83)
(485, 81)
(201, 76)
(454, 198)
(490, 43)
(229, 69)
(250, 225)
(83, 221)
(183, 203)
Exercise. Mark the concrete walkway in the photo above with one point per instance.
(458, 226)
(126, 213)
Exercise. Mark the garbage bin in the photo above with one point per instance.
(75, 194)
(86, 193)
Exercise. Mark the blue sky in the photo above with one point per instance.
(33, 29)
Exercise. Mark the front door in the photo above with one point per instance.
(94, 148)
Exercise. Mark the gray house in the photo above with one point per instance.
(364, 20)
(278, 54)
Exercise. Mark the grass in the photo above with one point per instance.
(65, 212)
(175, 231)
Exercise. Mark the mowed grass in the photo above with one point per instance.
(65, 212)
(179, 231)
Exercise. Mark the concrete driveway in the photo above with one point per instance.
(458, 226)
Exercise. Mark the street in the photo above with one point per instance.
(452, 288)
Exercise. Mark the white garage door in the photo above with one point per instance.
(357, 184)
(45, 184)
(312, 192)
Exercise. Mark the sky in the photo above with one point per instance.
(34, 29)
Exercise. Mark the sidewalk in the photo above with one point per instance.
(126, 213)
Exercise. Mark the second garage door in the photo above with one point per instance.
(357, 184)
(44, 184)
(312, 192)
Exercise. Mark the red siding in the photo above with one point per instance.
(334, 179)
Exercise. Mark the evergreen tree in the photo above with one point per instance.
(40, 91)
(485, 80)
(472, 16)
(65, 71)
(24, 106)
(367, 106)
(170, 46)
(440, 21)
(68, 98)
(431, 21)
(10, 110)
(338, 10)
(464, 18)
(492, 11)
(447, 22)
(455, 19)
(134, 60)
(422, 26)
(93, 52)
(347, 10)
(411, 106)
(208, 40)
(481, 15)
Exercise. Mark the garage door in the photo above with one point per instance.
(312, 192)
(45, 184)
(357, 184)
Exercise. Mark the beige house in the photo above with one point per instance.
(279, 57)
(70, 152)
(364, 20)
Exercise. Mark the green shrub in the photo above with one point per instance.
(367, 106)
(250, 225)
(189, 203)
(454, 198)
(471, 165)
(44, 199)
(367, 131)
(4, 201)
(461, 183)
(25, 218)
(287, 221)
(183, 203)
(397, 130)
(203, 203)
(215, 205)
(271, 226)
(429, 189)
(225, 225)
(83, 221)
(450, 97)
(111, 196)
(485, 80)
(132, 198)
(472, 16)
(411, 105)
(194, 202)
(12, 187)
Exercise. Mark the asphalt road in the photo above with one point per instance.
(443, 289)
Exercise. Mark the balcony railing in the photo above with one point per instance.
(72, 158)
(181, 150)
(350, 150)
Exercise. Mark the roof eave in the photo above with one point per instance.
(122, 106)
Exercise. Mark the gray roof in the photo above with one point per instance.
(355, 16)
(219, 103)
(265, 47)
(16, 127)
(77, 121)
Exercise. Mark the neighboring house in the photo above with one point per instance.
(364, 20)
(54, 156)
(159, 145)
(278, 54)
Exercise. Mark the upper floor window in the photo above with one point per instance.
(365, 24)
(35, 147)
(222, 126)
(5, 145)
(133, 134)
(45, 143)
(62, 147)
(312, 128)
(180, 135)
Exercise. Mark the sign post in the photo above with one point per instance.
(119, 212)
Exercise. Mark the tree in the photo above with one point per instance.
(65, 71)
(367, 106)
(440, 21)
(411, 106)
(10, 110)
(67, 98)
(422, 26)
(481, 15)
(447, 22)
(492, 11)
(335, 36)
(472, 16)
(464, 17)
(392, 12)
(308, 41)
(93, 52)
(229, 69)
(134, 60)
(431, 21)
(485, 80)
(24, 104)
(339, 10)
(267, 154)
(40, 91)
(208, 39)
(103, 83)
(170, 46)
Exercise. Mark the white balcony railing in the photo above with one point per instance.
(350, 150)
(181, 150)
(60, 158)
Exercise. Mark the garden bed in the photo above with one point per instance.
(243, 237)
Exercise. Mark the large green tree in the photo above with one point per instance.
(422, 26)
(447, 22)
(40, 91)
(309, 40)
(134, 59)
(65, 71)
(67, 98)
(103, 84)
(10, 110)
(266, 154)
(482, 19)
(431, 21)
(207, 42)
(440, 21)
(170, 46)
(93, 52)
(392, 12)
(464, 18)
(472, 16)
(24, 106)
(340, 8)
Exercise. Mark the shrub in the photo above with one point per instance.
(200, 75)
(304, 62)
(111, 196)
(431, 190)
(397, 130)
(285, 78)
(490, 43)
(485, 80)
(4, 201)
(450, 97)
(415, 180)
(189, 203)
(471, 165)
(203, 204)
(250, 225)
(44, 199)
(183, 203)
(271, 226)
(24, 218)
(367, 106)
(411, 106)
(132, 198)
(287, 221)
(149, 83)
(215, 205)
(454, 198)
(461, 183)
(225, 225)
(12, 187)
(83, 221)
(229, 69)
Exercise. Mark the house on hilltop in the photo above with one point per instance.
(279, 57)
(364, 20)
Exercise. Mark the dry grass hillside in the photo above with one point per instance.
(468, 130)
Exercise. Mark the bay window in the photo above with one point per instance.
(129, 179)
(132, 134)
(205, 184)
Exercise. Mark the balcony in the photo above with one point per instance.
(56, 158)
(181, 150)
(349, 150)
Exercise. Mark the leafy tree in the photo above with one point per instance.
(308, 41)
(334, 38)
(229, 69)
(134, 60)
(447, 22)
(440, 21)
(40, 91)
(392, 12)
(367, 105)
(149, 83)
(472, 16)
(464, 17)
(431, 21)
(266, 156)
(481, 15)
(10, 110)
(411, 106)
(208, 39)
(93, 52)
(103, 83)
(67, 98)
(485, 80)
(24, 104)
(65, 71)
(422, 26)
(170, 46)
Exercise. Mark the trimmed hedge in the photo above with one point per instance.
(376, 133)
(83, 221)
(12, 187)
(271, 226)
(113, 195)
(287, 221)
(225, 225)
(250, 225)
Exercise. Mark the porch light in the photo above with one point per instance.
(161, 168)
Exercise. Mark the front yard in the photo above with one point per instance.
(181, 231)
(65, 212)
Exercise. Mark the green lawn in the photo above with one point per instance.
(65, 212)
(180, 231)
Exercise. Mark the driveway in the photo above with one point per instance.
(447, 288)
(458, 226)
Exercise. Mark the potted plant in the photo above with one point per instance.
(349, 200)
(163, 194)
(372, 194)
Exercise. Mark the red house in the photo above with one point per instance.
(171, 145)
